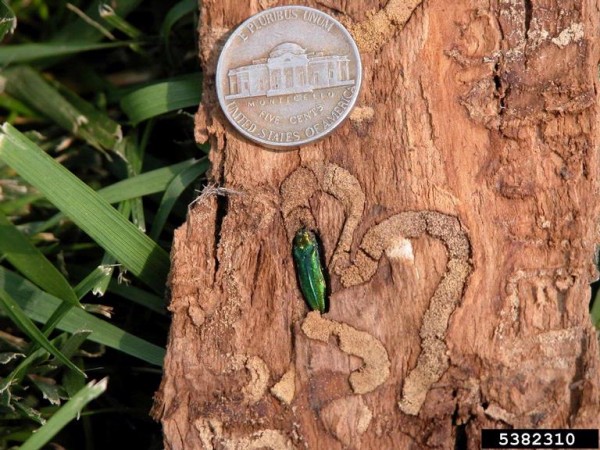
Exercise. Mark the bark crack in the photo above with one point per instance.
(372, 33)
(576, 397)
(499, 91)
(222, 208)
(528, 12)
(430, 121)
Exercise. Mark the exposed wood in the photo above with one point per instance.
(458, 212)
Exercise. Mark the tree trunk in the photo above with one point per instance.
(458, 212)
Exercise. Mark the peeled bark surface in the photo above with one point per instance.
(458, 212)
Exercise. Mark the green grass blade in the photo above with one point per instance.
(136, 295)
(80, 31)
(66, 109)
(162, 97)
(17, 107)
(102, 129)
(138, 216)
(595, 311)
(64, 415)
(29, 412)
(50, 391)
(145, 184)
(12, 207)
(73, 382)
(34, 356)
(39, 306)
(103, 273)
(134, 157)
(116, 21)
(55, 318)
(176, 187)
(8, 20)
(94, 215)
(95, 278)
(21, 370)
(20, 319)
(139, 296)
(25, 53)
(74, 342)
(176, 13)
(91, 22)
(28, 260)
(108, 266)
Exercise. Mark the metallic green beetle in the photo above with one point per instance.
(308, 267)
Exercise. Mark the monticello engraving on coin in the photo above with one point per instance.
(288, 76)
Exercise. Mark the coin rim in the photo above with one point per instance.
(287, 145)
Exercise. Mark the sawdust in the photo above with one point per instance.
(376, 368)
(376, 240)
(448, 229)
(362, 270)
(384, 235)
(296, 191)
(271, 439)
(379, 27)
(347, 418)
(389, 236)
(444, 300)
(433, 360)
(431, 365)
(285, 389)
(196, 313)
(265, 4)
(573, 33)
(362, 114)
(259, 380)
(212, 436)
(345, 187)
(399, 11)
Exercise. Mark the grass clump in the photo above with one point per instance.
(97, 166)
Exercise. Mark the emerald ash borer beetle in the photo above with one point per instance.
(307, 256)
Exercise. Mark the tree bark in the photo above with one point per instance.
(458, 212)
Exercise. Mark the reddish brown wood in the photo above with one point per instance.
(482, 118)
